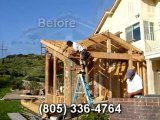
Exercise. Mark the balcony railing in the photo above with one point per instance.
(149, 36)
(152, 41)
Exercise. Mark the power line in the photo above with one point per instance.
(3, 50)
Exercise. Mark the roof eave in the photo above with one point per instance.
(106, 15)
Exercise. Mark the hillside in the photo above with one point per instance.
(15, 68)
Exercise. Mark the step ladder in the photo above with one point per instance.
(81, 80)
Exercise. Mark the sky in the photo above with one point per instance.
(21, 31)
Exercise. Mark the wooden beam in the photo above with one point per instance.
(118, 33)
(92, 67)
(58, 55)
(115, 47)
(96, 42)
(98, 48)
(105, 55)
(97, 37)
(46, 43)
(90, 70)
(138, 57)
(119, 56)
(59, 51)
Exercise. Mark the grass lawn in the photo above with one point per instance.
(5, 85)
(3, 91)
(9, 107)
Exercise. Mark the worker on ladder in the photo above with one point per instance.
(84, 54)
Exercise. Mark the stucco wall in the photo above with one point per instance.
(126, 15)
(107, 25)
(151, 12)
(123, 17)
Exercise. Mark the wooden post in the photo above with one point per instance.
(141, 70)
(92, 84)
(71, 79)
(55, 74)
(46, 73)
(145, 87)
(100, 85)
(87, 75)
(110, 81)
(130, 62)
(119, 67)
(53, 78)
(138, 68)
(109, 46)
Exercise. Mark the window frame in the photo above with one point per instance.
(127, 30)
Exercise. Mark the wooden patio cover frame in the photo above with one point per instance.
(101, 46)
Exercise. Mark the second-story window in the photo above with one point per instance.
(148, 30)
(133, 32)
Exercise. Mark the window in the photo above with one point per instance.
(148, 30)
(133, 32)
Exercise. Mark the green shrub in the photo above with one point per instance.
(94, 116)
(34, 85)
(17, 84)
(32, 78)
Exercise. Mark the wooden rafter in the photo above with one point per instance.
(58, 49)
(98, 38)
(97, 42)
(47, 43)
(121, 42)
(58, 55)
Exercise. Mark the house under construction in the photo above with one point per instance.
(105, 72)
(110, 58)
